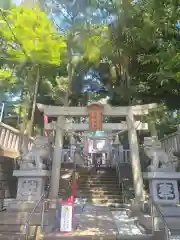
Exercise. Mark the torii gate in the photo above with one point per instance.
(129, 112)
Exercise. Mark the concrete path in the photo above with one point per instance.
(96, 220)
(175, 238)
(124, 224)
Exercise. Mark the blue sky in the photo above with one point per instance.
(16, 1)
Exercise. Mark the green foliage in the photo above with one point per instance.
(33, 36)
(29, 44)
(137, 55)
(5, 4)
(6, 77)
(97, 37)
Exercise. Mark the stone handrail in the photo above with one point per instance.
(11, 141)
(172, 141)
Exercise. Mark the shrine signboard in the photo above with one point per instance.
(95, 111)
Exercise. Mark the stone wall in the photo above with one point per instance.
(8, 183)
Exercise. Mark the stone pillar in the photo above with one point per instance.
(135, 159)
(57, 157)
(152, 127)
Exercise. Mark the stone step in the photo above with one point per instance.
(57, 236)
(172, 222)
(19, 218)
(104, 168)
(175, 237)
(67, 165)
(145, 221)
(26, 206)
(101, 187)
(14, 236)
(98, 181)
(100, 184)
(175, 233)
(111, 205)
(104, 180)
(15, 228)
(98, 190)
(122, 206)
(127, 226)
(98, 176)
(99, 200)
(168, 211)
(106, 191)
(98, 171)
(99, 195)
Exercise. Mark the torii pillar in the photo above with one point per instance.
(57, 157)
(135, 158)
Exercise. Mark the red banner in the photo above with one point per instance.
(45, 122)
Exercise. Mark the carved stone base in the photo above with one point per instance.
(164, 191)
(163, 186)
(30, 184)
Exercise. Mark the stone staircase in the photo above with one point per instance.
(65, 182)
(103, 216)
(13, 221)
(99, 187)
(170, 215)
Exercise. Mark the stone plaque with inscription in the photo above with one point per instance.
(31, 184)
(165, 191)
(30, 188)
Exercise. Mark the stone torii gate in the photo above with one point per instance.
(129, 112)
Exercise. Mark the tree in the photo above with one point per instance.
(24, 31)
(5, 4)
(136, 68)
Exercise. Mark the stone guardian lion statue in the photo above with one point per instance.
(160, 160)
(38, 155)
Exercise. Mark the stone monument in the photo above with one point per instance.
(162, 177)
(33, 173)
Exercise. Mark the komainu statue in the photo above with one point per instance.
(160, 160)
(38, 156)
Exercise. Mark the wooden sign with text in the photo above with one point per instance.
(95, 116)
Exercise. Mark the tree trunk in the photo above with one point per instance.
(70, 74)
(30, 123)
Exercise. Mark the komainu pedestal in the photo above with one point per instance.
(32, 178)
(31, 184)
(33, 174)
(163, 185)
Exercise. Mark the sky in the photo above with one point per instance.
(16, 1)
